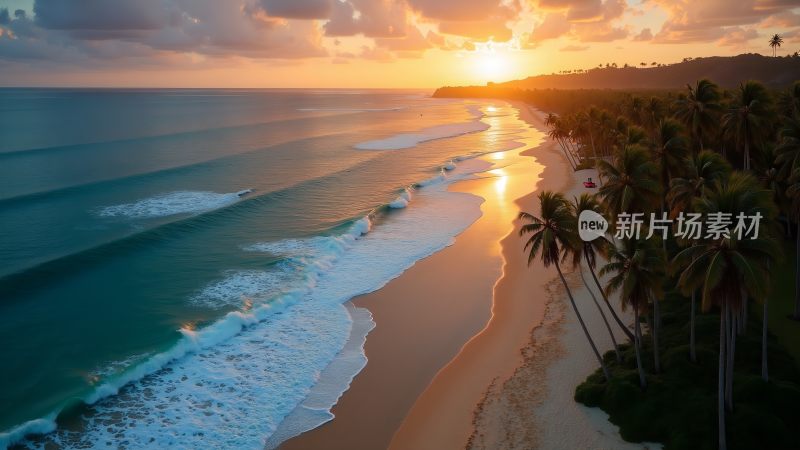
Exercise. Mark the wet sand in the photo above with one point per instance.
(425, 316)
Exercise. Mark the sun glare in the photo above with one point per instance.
(491, 61)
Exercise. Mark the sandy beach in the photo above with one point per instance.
(485, 363)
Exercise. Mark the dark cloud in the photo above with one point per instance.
(460, 10)
(298, 9)
(371, 18)
(103, 14)
(140, 29)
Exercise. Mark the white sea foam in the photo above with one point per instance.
(240, 287)
(181, 202)
(402, 200)
(232, 383)
(409, 140)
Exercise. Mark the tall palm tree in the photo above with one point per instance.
(636, 267)
(670, 148)
(748, 121)
(724, 268)
(698, 110)
(588, 251)
(789, 100)
(700, 173)
(552, 236)
(631, 182)
(793, 194)
(775, 42)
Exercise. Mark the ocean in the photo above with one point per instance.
(175, 265)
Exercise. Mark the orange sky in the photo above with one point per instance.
(366, 43)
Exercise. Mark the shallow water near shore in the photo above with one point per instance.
(172, 272)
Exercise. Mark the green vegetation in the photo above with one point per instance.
(707, 372)
(678, 408)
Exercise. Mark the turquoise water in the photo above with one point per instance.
(173, 254)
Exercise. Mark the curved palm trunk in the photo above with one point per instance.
(797, 274)
(654, 332)
(637, 344)
(583, 325)
(611, 308)
(730, 353)
(603, 315)
(594, 152)
(692, 347)
(764, 371)
(721, 378)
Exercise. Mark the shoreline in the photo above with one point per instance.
(442, 417)
(425, 316)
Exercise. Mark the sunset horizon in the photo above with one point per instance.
(368, 44)
(399, 224)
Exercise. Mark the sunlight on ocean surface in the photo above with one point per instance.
(152, 248)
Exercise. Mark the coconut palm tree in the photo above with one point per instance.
(588, 251)
(698, 110)
(775, 42)
(636, 267)
(748, 120)
(726, 267)
(552, 236)
(789, 100)
(793, 195)
(700, 173)
(631, 182)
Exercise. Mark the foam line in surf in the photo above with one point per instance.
(180, 202)
(295, 345)
(409, 140)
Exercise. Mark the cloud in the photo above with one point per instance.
(738, 37)
(371, 18)
(582, 20)
(298, 9)
(158, 29)
(786, 19)
(461, 10)
(710, 20)
(122, 15)
(575, 48)
(413, 41)
(554, 25)
(644, 35)
(493, 27)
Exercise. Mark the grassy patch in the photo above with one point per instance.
(679, 406)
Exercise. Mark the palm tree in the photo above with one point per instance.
(552, 236)
(669, 147)
(698, 110)
(793, 194)
(775, 42)
(725, 268)
(588, 251)
(789, 100)
(748, 120)
(636, 268)
(700, 173)
(632, 182)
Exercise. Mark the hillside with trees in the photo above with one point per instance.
(726, 71)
